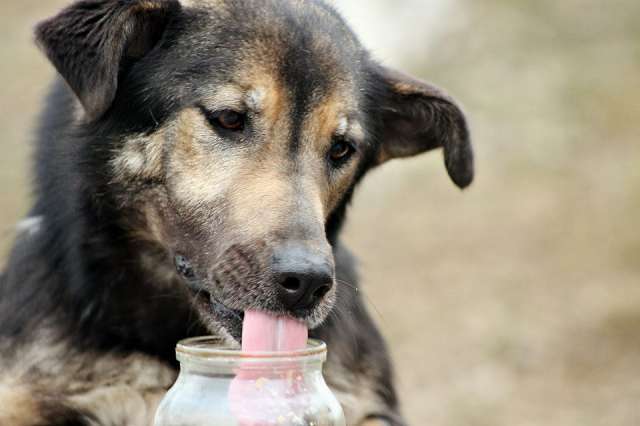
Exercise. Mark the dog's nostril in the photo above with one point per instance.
(321, 291)
(291, 284)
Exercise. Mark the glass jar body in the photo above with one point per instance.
(250, 391)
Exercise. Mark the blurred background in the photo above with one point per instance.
(516, 302)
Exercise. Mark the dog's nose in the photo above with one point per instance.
(303, 289)
(303, 275)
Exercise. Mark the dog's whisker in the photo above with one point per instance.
(366, 297)
(375, 308)
(340, 313)
(190, 319)
(353, 287)
(192, 324)
(153, 117)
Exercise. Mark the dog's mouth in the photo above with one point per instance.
(217, 314)
(224, 314)
(229, 319)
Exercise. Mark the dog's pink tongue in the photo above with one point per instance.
(258, 395)
(263, 332)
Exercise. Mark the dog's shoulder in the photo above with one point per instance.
(49, 381)
(49, 377)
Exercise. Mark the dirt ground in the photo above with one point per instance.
(516, 302)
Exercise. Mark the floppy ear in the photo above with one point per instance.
(417, 117)
(90, 41)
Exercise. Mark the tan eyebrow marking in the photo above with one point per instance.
(233, 97)
(225, 97)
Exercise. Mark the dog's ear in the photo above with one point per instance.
(417, 117)
(90, 41)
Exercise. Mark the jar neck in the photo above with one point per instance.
(206, 356)
(260, 368)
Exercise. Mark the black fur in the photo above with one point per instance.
(103, 37)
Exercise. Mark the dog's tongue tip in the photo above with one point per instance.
(263, 332)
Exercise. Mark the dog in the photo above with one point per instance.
(195, 159)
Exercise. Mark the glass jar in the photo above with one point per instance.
(222, 386)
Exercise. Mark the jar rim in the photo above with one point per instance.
(212, 347)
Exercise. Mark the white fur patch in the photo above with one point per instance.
(140, 157)
(343, 125)
(351, 128)
(132, 162)
(255, 99)
(356, 132)
(30, 225)
(201, 3)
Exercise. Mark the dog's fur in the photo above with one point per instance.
(132, 170)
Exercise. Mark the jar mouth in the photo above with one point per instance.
(212, 347)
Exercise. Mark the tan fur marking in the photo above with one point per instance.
(17, 405)
(199, 173)
(266, 196)
(113, 387)
(140, 158)
(326, 121)
(147, 5)
(154, 224)
(258, 202)
(405, 88)
(261, 83)
(211, 4)
(223, 97)
(248, 184)
(120, 405)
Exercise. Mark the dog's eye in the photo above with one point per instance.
(227, 119)
(340, 151)
(231, 120)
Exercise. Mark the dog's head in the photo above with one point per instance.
(235, 133)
